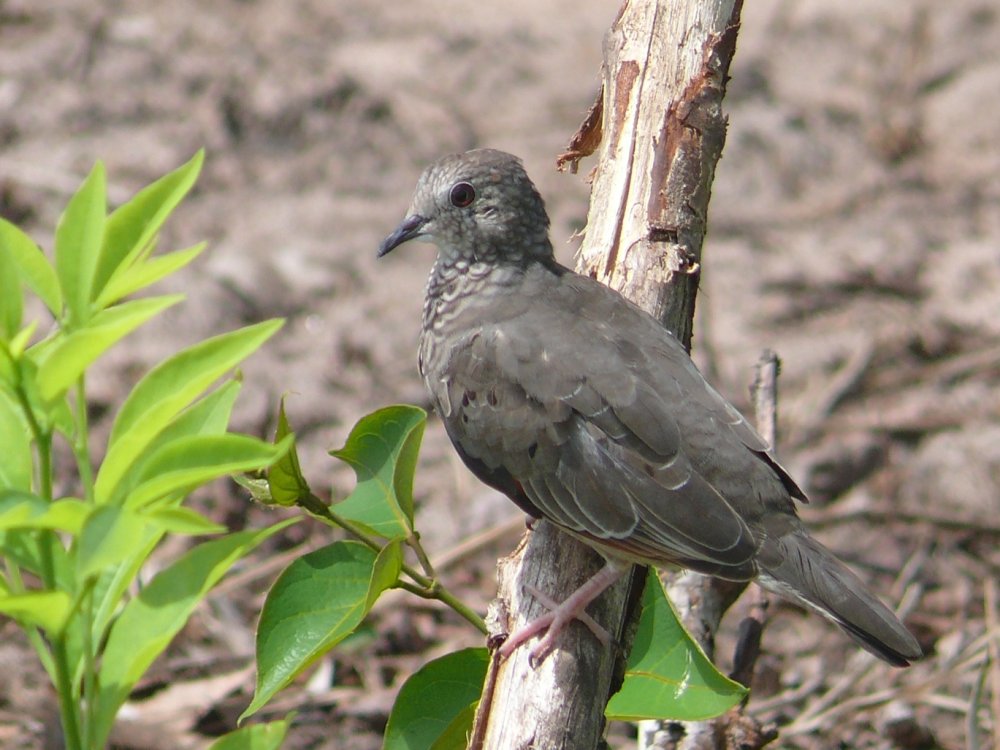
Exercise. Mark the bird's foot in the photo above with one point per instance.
(553, 622)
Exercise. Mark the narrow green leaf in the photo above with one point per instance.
(20, 342)
(165, 391)
(32, 265)
(267, 736)
(25, 550)
(145, 273)
(668, 675)
(110, 535)
(181, 520)
(15, 437)
(260, 491)
(73, 353)
(207, 416)
(150, 621)
(78, 245)
(433, 710)
(110, 589)
(190, 462)
(47, 610)
(11, 298)
(385, 573)
(23, 510)
(382, 450)
(133, 225)
(316, 602)
(285, 479)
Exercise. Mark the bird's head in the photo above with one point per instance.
(479, 206)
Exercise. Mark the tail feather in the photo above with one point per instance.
(797, 566)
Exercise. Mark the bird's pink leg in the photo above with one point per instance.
(573, 608)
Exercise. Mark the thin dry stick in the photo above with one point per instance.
(993, 649)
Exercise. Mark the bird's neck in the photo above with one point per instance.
(458, 283)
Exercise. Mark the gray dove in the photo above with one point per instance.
(584, 410)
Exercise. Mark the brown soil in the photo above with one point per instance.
(855, 228)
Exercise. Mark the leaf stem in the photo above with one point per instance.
(427, 587)
(413, 541)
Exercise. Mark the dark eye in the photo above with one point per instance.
(462, 195)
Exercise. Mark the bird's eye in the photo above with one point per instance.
(462, 195)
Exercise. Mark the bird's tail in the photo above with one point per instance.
(797, 566)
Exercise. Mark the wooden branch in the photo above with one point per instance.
(661, 130)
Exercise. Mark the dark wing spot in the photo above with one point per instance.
(491, 397)
(532, 449)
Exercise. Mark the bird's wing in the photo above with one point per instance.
(591, 443)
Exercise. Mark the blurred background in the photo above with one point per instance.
(854, 228)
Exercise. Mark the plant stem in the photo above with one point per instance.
(81, 444)
(89, 672)
(426, 586)
(425, 562)
(438, 593)
(68, 709)
(60, 671)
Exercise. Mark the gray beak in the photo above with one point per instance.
(408, 230)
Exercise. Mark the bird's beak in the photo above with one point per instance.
(411, 228)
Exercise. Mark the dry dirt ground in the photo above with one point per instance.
(855, 228)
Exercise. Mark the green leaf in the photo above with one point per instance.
(15, 437)
(49, 415)
(165, 391)
(111, 535)
(260, 491)
(436, 705)
(73, 353)
(385, 573)
(45, 609)
(109, 590)
(190, 462)
(22, 510)
(207, 416)
(181, 520)
(11, 299)
(285, 479)
(316, 602)
(20, 342)
(267, 736)
(32, 265)
(455, 736)
(133, 225)
(382, 449)
(25, 550)
(78, 244)
(149, 622)
(668, 675)
(146, 273)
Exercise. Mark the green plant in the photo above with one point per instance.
(72, 565)
(323, 597)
